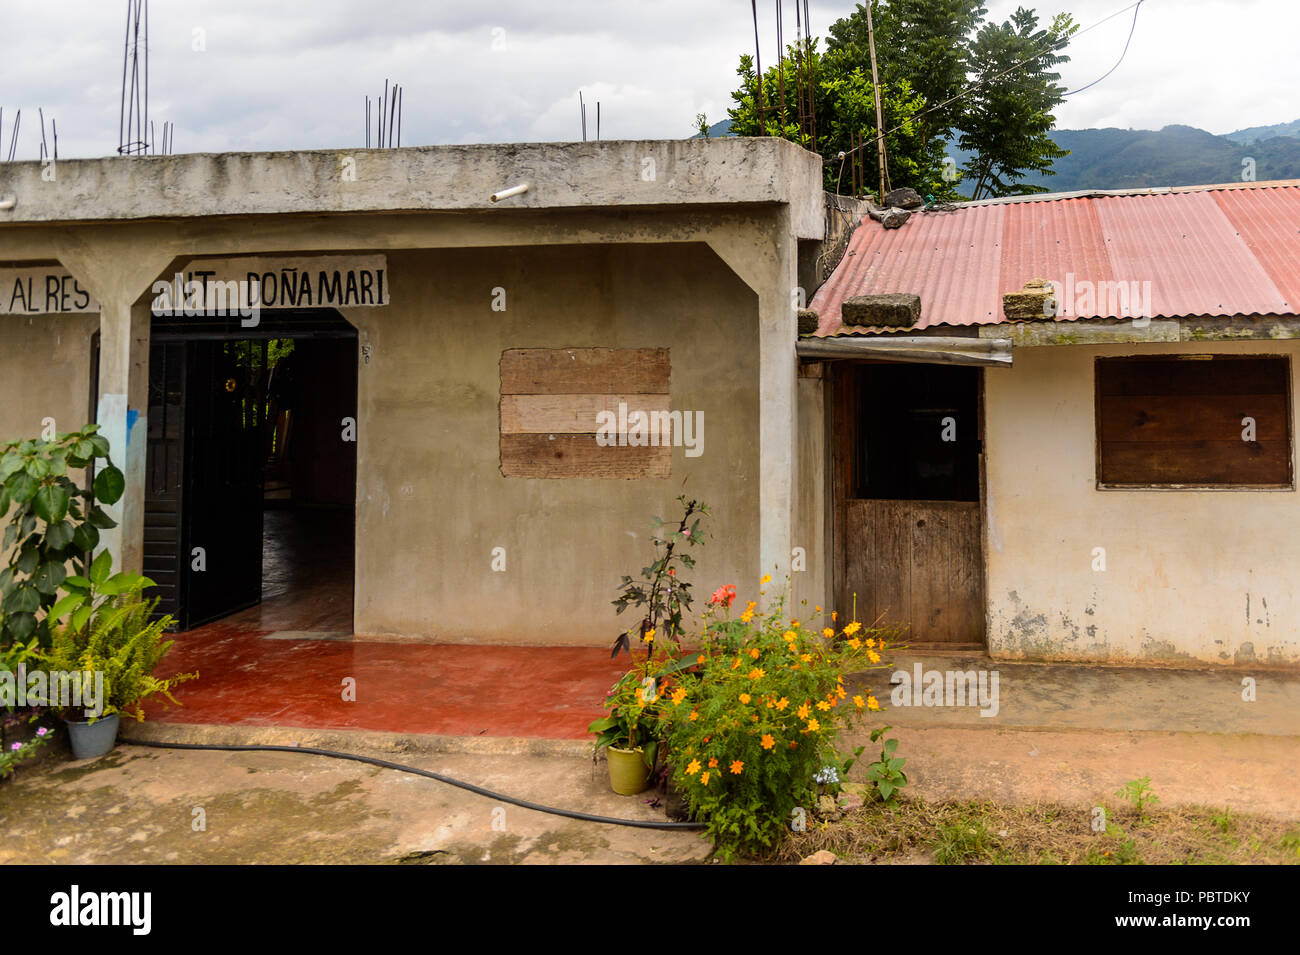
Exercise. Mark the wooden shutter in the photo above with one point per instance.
(1185, 421)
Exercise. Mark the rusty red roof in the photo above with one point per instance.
(1198, 250)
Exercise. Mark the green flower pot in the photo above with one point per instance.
(628, 773)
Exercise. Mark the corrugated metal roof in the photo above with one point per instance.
(1221, 250)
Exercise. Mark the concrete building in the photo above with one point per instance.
(436, 423)
(484, 336)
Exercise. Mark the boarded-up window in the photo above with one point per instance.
(554, 402)
(1196, 421)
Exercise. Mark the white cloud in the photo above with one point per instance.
(294, 74)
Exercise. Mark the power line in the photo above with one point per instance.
(1121, 56)
(976, 85)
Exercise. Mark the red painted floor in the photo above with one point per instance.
(247, 679)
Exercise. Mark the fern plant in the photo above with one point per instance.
(126, 647)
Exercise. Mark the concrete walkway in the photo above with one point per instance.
(140, 805)
(1064, 734)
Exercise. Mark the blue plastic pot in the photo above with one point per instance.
(92, 739)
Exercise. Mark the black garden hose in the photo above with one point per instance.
(400, 767)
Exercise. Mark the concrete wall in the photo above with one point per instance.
(432, 503)
(44, 372)
(1191, 576)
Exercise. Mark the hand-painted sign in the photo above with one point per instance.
(323, 281)
(42, 290)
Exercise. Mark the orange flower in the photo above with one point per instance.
(859, 702)
(767, 742)
(713, 763)
(803, 711)
(806, 658)
(736, 664)
(693, 768)
(855, 643)
(753, 652)
(872, 704)
(823, 705)
(705, 779)
(695, 715)
(679, 694)
(744, 698)
(828, 633)
(851, 628)
(813, 725)
(737, 767)
(782, 703)
(757, 674)
(700, 658)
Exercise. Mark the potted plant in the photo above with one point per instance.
(109, 649)
(630, 732)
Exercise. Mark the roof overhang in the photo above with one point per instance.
(928, 349)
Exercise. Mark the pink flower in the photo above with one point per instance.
(16, 747)
(42, 731)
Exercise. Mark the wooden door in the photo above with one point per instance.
(906, 486)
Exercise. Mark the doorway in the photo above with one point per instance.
(251, 471)
(907, 496)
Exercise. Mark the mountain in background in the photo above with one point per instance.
(1142, 158)
(1173, 156)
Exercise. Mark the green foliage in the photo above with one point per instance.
(665, 595)
(1008, 116)
(122, 644)
(51, 523)
(886, 773)
(11, 755)
(752, 725)
(928, 53)
(962, 840)
(1138, 792)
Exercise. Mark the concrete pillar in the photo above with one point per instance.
(120, 277)
(121, 413)
(768, 262)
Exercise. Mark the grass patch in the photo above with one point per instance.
(991, 834)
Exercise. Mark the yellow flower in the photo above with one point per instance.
(852, 628)
(803, 711)
(695, 715)
(747, 616)
(828, 632)
(767, 579)
(813, 726)
(736, 663)
(790, 636)
(693, 768)
(872, 704)
(744, 697)
(873, 656)
(859, 702)
(870, 642)
(756, 674)
(705, 779)
(737, 767)
(782, 703)
(839, 692)
(679, 694)
(823, 705)
(855, 643)
(767, 742)
(806, 658)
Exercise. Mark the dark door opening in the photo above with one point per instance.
(908, 462)
(250, 500)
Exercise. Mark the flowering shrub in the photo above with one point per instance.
(752, 727)
(14, 752)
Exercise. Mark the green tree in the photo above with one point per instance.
(946, 75)
(844, 104)
(1008, 114)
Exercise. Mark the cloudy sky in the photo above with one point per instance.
(277, 74)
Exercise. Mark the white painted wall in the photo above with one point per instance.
(1191, 576)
